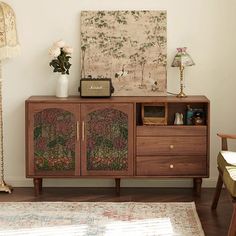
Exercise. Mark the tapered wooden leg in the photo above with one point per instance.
(232, 227)
(37, 186)
(117, 186)
(197, 184)
(217, 192)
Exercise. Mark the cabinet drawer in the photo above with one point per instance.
(171, 166)
(150, 146)
(174, 130)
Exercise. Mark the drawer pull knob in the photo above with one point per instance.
(171, 166)
(171, 146)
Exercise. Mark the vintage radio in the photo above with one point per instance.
(90, 87)
(154, 113)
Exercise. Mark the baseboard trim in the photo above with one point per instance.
(23, 182)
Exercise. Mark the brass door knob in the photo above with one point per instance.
(171, 146)
(171, 166)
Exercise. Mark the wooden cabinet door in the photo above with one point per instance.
(52, 146)
(107, 139)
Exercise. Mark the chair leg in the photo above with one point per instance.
(232, 227)
(217, 192)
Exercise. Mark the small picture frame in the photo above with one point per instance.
(154, 113)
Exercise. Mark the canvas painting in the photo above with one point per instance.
(127, 46)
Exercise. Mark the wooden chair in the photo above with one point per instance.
(226, 162)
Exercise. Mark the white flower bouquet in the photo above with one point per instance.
(61, 56)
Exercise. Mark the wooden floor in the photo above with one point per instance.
(215, 223)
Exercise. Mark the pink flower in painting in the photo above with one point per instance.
(90, 144)
(65, 161)
(70, 144)
(51, 162)
(49, 117)
(119, 143)
(98, 127)
(111, 115)
(41, 144)
(37, 119)
(63, 127)
(39, 161)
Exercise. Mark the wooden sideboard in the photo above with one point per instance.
(105, 138)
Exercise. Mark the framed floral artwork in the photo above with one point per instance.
(127, 46)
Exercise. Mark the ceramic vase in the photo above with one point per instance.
(62, 86)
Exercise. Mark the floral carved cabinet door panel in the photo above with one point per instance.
(53, 143)
(107, 139)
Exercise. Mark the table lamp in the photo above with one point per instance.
(181, 60)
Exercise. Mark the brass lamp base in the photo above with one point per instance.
(4, 187)
(181, 95)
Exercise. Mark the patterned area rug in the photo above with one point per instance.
(99, 218)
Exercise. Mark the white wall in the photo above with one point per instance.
(207, 28)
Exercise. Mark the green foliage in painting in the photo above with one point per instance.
(54, 140)
(107, 140)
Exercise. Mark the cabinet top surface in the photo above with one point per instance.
(125, 99)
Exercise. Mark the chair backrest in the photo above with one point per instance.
(224, 138)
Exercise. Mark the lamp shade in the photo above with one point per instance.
(9, 44)
(182, 58)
